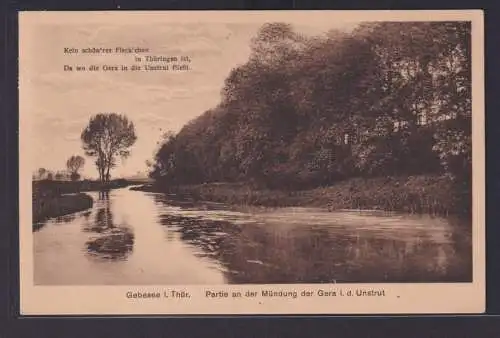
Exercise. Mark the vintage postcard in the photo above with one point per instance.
(277, 162)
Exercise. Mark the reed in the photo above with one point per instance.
(414, 194)
(51, 206)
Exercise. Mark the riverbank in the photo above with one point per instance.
(50, 206)
(414, 194)
(53, 187)
(52, 198)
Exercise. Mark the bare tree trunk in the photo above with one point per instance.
(101, 164)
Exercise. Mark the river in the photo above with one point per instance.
(138, 238)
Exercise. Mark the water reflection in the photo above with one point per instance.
(113, 242)
(131, 237)
(278, 250)
(65, 218)
(38, 226)
(57, 220)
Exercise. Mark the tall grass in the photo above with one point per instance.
(50, 206)
(414, 194)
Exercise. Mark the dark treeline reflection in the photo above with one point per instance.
(112, 241)
(60, 220)
(309, 253)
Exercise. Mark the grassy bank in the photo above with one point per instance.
(50, 198)
(416, 194)
(50, 206)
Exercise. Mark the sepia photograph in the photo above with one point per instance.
(267, 151)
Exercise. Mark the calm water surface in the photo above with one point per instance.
(131, 237)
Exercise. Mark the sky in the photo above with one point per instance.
(56, 105)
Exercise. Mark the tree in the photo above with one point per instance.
(74, 164)
(388, 98)
(106, 137)
(41, 173)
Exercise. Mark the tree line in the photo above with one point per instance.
(73, 166)
(388, 98)
(107, 138)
